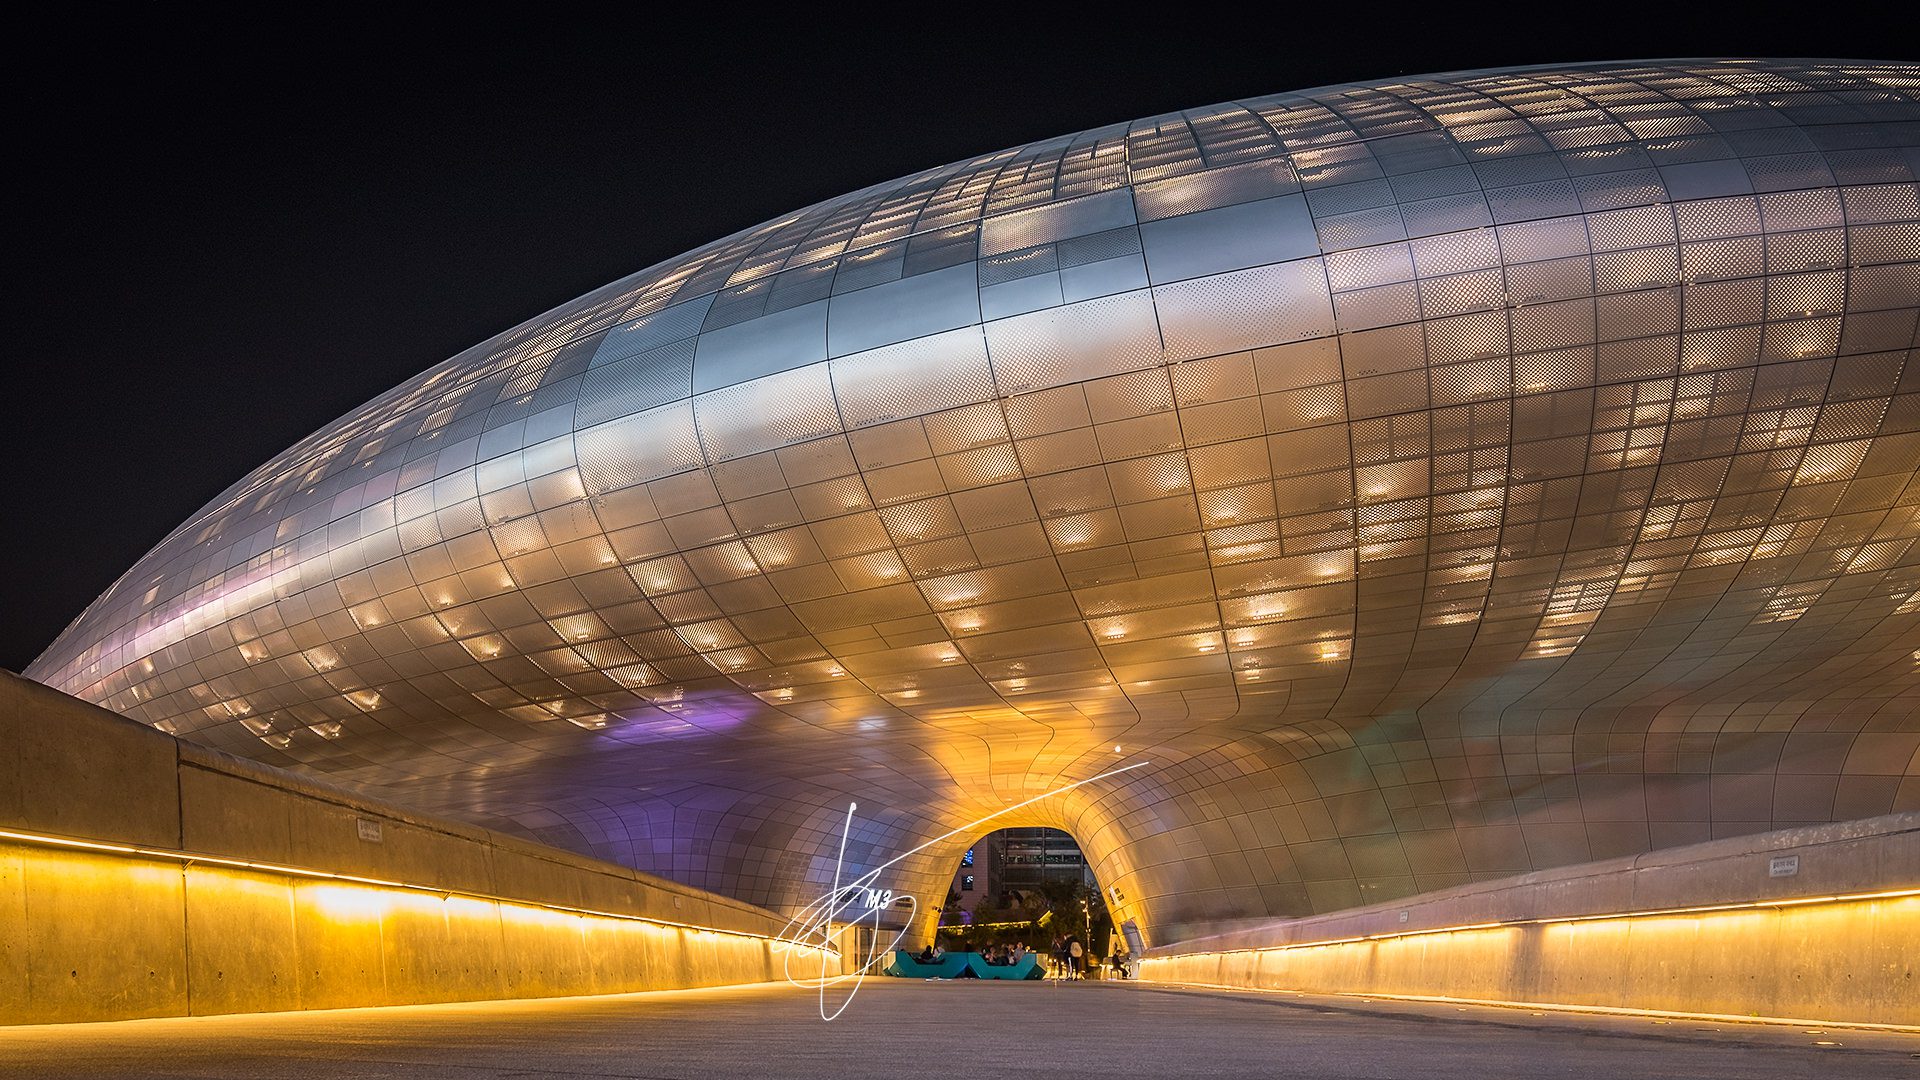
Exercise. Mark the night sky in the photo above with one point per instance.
(222, 237)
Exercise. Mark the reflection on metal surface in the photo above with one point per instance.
(1440, 478)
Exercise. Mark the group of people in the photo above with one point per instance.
(996, 955)
(1005, 955)
(1070, 959)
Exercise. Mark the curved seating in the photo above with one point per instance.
(1027, 968)
(950, 965)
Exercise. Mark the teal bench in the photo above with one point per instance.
(905, 965)
(1027, 968)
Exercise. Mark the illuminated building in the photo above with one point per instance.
(1434, 480)
(1028, 858)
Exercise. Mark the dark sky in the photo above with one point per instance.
(223, 236)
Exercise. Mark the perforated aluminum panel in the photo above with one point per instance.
(1433, 479)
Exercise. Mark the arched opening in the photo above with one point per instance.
(1030, 889)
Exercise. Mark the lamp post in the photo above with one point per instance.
(1086, 930)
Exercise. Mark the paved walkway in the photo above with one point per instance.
(902, 1029)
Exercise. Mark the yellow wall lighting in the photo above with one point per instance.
(93, 930)
(198, 859)
(1644, 913)
(1839, 958)
(1558, 1006)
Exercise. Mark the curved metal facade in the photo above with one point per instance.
(1434, 479)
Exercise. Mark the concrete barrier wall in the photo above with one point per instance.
(1818, 923)
(142, 876)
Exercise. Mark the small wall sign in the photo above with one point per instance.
(369, 830)
(1783, 866)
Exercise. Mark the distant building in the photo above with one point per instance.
(1011, 862)
(1029, 858)
(972, 881)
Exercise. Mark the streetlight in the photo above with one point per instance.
(1086, 927)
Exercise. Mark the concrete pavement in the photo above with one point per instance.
(898, 1028)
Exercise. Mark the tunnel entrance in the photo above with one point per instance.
(1022, 890)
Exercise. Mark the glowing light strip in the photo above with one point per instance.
(983, 925)
(1556, 1006)
(816, 919)
(1649, 913)
(1745, 905)
(192, 859)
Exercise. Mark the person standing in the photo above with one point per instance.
(1076, 958)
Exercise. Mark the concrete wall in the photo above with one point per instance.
(1716, 928)
(217, 885)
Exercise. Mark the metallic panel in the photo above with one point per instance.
(772, 343)
(1230, 238)
(902, 310)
